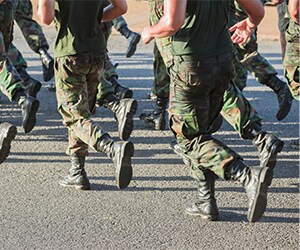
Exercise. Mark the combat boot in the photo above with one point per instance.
(47, 64)
(121, 92)
(32, 85)
(133, 39)
(157, 119)
(124, 111)
(29, 106)
(283, 94)
(216, 124)
(77, 177)
(120, 153)
(255, 181)
(206, 205)
(267, 144)
(7, 134)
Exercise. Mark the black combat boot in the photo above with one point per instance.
(121, 92)
(157, 119)
(133, 39)
(29, 106)
(47, 64)
(120, 153)
(77, 177)
(206, 205)
(124, 111)
(32, 85)
(283, 94)
(267, 144)
(255, 181)
(7, 134)
(216, 124)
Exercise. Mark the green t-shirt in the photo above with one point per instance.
(205, 29)
(78, 27)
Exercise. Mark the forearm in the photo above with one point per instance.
(115, 9)
(46, 11)
(294, 10)
(255, 11)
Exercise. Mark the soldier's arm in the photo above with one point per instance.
(115, 9)
(294, 10)
(170, 23)
(46, 11)
(243, 29)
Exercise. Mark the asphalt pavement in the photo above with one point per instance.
(37, 213)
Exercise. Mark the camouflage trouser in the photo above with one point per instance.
(237, 111)
(77, 79)
(291, 60)
(161, 84)
(31, 30)
(292, 76)
(162, 54)
(10, 81)
(16, 57)
(119, 22)
(196, 98)
(105, 87)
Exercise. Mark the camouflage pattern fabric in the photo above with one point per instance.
(77, 79)
(162, 55)
(237, 110)
(248, 55)
(16, 57)
(10, 81)
(161, 83)
(196, 98)
(119, 22)
(291, 60)
(31, 30)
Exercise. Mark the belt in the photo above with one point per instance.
(224, 57)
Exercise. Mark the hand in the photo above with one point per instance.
(242, 31)
(1, 1)
(146, 37)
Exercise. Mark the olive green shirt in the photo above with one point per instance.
(204, 32)
(78, 27)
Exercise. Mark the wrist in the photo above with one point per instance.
(250, 24)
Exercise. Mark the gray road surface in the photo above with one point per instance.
(36, 213)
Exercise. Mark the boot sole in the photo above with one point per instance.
(8, 134)
(124, 168)
(132, 48)
(259, 203)
(275, 149)
(30, 120)
(211, 217)
(77, 187)
(126, 127)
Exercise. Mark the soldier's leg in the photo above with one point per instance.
(132, 37)
(32, 85)
(123, 109)
(7, 134)
(73, 104)
(34, 36)
(265, 74)
(292, 76)
(110, 74)
(156, 119)
(191, 111)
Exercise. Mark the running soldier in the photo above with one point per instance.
(199, 77)
(78, 69)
